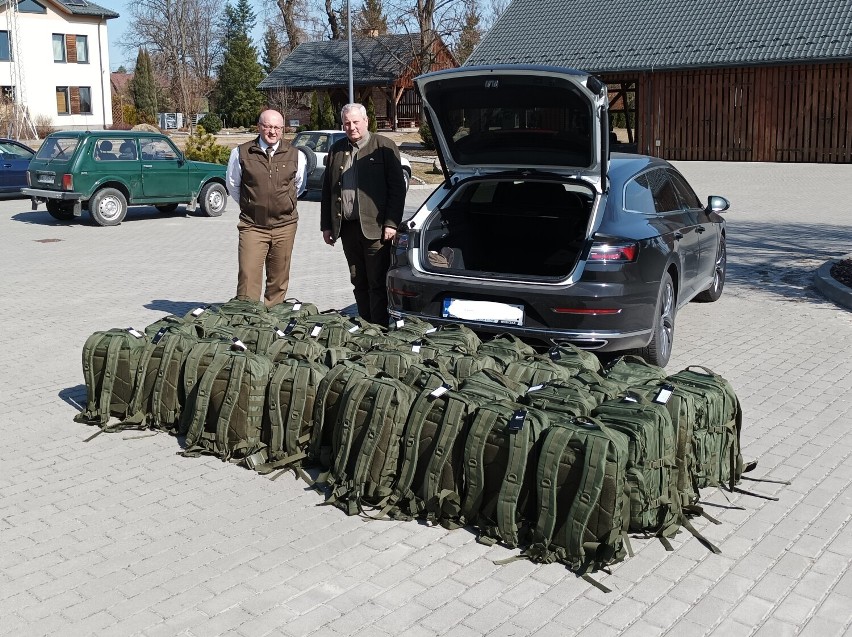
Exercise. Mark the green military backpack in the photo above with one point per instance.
(159, 395)
(505, 349)
(289, 421)
(501, 454)
(432, 470)
(583, 496)
(291, 308)
(571, 356)
(537, 369)
(110, 361)
(566, 398)
(366, 445)
(224, 411)
(655, 505)
(633, 370)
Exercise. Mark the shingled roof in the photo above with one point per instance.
(84, 7)
(378, 61)
(632, 35)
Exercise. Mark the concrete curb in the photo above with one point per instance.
(830, 288)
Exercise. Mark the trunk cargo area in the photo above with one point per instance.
(535, 229)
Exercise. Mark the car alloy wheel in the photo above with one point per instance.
(659, 350)
(108, 207)
(214, 197)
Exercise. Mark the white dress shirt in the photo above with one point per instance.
(234, 174)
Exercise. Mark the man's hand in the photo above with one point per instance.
(326, 236)
(388, 234)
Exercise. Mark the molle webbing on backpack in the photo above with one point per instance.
(110, 360)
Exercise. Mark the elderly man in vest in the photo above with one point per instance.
(363, 196)
(265, 177)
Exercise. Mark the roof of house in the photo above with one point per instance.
(378, 61)
(120, 81)
(629, 35)
(84, 7)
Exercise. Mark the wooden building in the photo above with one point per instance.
(735, 80)
(383, 67)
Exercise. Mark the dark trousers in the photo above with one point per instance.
(368, 268)
(270, 247)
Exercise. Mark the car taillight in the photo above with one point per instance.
(623, 252)
(67, 182)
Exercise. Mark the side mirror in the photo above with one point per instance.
(715, 203)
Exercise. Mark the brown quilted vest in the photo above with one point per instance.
(267, 190)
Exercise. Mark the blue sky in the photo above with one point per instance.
(117, 27)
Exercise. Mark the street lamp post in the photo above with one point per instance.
(349, 40)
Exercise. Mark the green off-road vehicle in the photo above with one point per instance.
(107, 171)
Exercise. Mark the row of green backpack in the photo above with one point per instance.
(281, 395)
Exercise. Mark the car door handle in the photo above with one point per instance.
(678, 235)
(7, 165)
(700, 229)
(147, 165)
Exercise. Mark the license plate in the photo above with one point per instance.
(45, 179)
(484, 311)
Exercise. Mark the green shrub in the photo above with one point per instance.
(202, 146)
(372, 124)
(426, 136)
(211, 123)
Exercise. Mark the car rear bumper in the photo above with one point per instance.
(63, 195)
(593, 314)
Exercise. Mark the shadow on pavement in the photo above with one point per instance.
(137, 213)
(783, 258)
(74, 396)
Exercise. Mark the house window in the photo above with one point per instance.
(63, 103)
(82, 49)
(31, 6)
(58, 47)
(5, 51)
(85, 100)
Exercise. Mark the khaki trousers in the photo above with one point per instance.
(259, 247)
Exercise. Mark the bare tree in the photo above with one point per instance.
(181, 35)
(292, 13)
(334, 20)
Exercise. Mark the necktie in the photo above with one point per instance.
(269, 151)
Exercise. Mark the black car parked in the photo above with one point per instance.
(538, 231)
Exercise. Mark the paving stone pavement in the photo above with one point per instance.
(121, 536)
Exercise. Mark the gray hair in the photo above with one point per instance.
(358, 108)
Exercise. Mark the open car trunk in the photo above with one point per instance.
(500, 228)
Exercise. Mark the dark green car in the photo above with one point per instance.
(107, 171)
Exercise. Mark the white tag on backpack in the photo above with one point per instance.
(198, 311)
(316, 331)
(279, 332)
(134, 332)
(297, 306)
(630, 399)
(439, 391)
(416, 347)
(354, 329)
(664, 394)
(535, 388)
(238, 344)
(434, 329)
(399, 324)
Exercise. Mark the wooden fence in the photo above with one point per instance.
(795, 113)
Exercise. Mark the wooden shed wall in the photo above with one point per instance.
(796, 113)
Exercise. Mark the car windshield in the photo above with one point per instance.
(58, 148)
(514, 120)
(317, 142)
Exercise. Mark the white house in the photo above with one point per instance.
(55, 54)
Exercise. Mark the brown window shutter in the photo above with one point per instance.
(71, 48)
(75, 100)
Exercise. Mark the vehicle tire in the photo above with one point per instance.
(213, 199)
(108, 207)
(406, 175)
(167, 207)
(714, 292)
(59, 210)
(310, 159)
(659, 350)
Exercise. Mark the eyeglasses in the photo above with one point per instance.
(268, 127)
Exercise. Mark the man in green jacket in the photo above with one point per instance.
(363, 196)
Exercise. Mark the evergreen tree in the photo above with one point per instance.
(273, 51)
(237, 20)
(315, 111)
(370, 19)
(143, 89)
(372, 124)
(471, 32)
(236, 91)
(328, 118)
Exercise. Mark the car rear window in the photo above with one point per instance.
(58, 148)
